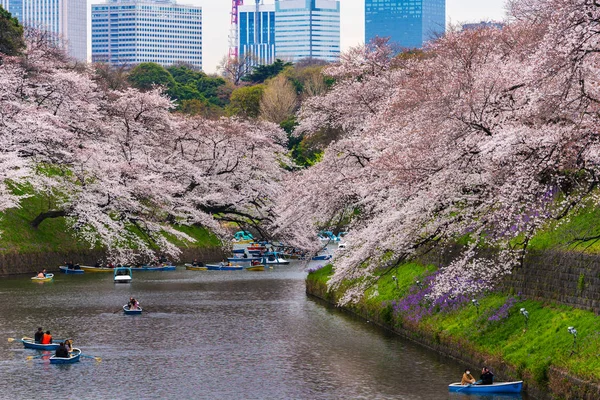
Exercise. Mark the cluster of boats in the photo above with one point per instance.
(30, 343)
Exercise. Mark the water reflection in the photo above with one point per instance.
(209, 335)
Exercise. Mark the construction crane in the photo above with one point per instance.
(233, 32)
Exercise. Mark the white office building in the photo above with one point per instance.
(307, 29)
(127, 32)
(65, 18)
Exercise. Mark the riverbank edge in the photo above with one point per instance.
(13, 264)
(561, 385)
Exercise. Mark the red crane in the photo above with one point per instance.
(233, 33)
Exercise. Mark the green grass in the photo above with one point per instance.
(561, 235)
(52, 235)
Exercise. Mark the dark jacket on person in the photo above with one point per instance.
(487, 378)
(62, 351)
(38, 336)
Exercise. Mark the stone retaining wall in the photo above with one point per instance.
(569, 278)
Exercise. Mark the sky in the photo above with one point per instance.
(215, 22)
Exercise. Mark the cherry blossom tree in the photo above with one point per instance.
(487, 135)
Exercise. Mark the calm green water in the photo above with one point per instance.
(208, 335)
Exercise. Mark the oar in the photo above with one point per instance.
(95, 358)
(10, 339)
(469, 385)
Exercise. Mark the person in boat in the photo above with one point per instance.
(229, 264)
(222, 263)
(98, 264)
(62, 351)
(38, 335)
(467, 378)
(133, 304)
(40, 275)
(46, 338)
(44, 272)
(69, 345)
(255, 262)
(245, 255)
(487, 377)
(76, 266)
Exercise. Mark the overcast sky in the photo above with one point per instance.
(215, 22)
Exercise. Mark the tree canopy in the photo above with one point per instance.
(11, 34)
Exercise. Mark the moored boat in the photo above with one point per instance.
(322, 257)
(122, 275)
(135, 311)
(191, 267)
(496, 387)
(66, 270)
(73, 358)
(88, 268)
(219, 267)
(258, 267)
(29, 343)
(46, 278)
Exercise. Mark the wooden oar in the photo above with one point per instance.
(95, 358)
(10, 339)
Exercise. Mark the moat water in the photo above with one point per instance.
(209, 335)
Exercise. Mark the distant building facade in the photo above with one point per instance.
(256, 32)
(65, 18)
(408, 23)
(127, 32)
(307, 29)
(482, 25)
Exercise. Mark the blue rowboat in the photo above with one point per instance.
(218, 267)
(496, 387)
(66, 270)
(29, 343)
(127, 311)
(322, 257)
(122, 275)
(73, 358)
(239, 251)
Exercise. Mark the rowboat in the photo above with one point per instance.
(122, 275)
(46, 278)
(66, 270)
(127, 311)
(73, 358)
(273, 258)
(87, 268)
(29, 343)
(259, 267)
(243, 259)
(191, 267)
(496, 387)
(219, 267)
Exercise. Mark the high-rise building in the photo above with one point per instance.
(65, 18)
(307, 29)
(483, 25)
(256, 32)
(126, 32)
(408, 23)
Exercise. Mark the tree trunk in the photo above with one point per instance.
(48, 214)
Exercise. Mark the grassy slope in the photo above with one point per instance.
(531, 351)
(53, 235)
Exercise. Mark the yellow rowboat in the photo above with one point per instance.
(87, 268)
(190, 267)
(258, 267)
(47, 278)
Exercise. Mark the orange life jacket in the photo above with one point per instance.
(46, 339)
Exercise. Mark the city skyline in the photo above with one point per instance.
(215, 27)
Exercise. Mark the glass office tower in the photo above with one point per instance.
(307, 29)
(256, 34)
(126, 32)
(408, 23)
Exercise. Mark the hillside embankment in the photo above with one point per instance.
(557, 289)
